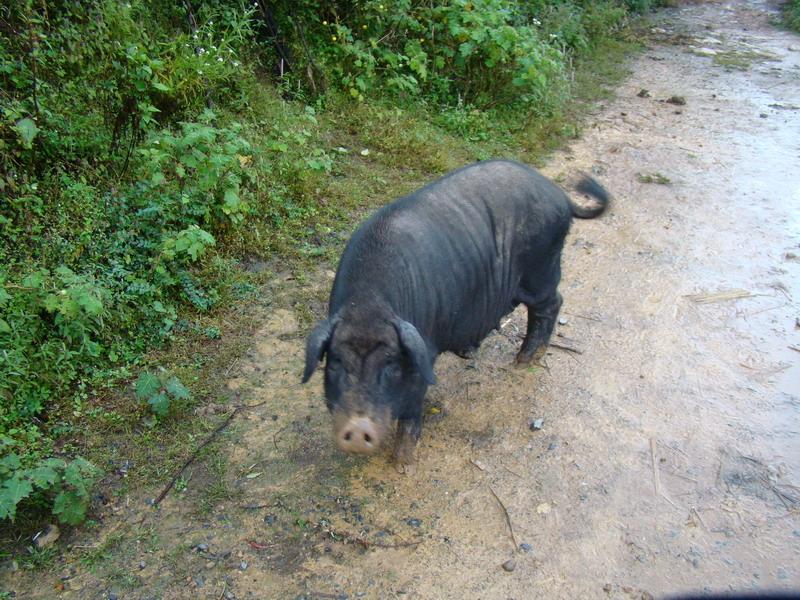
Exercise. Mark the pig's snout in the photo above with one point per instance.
(358, 434)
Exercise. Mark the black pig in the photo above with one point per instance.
(432, 272)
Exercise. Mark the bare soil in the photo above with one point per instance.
(668, 456)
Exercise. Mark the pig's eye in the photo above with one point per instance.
(392, 371)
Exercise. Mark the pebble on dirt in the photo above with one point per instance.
(47, 537)
(537, 425)
(414, 522)
(525, 547)
(643, 93)
(509, 565)
(677, 100)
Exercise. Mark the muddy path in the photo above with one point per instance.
(668, 457)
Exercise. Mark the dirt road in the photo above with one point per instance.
(668, 457)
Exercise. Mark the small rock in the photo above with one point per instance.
(142, 564)
(270, 519)
(509, 565)
(763, 115)
(643, 93)
(414, 522)
(365, 152)
(47, 537)
(202, 547)
(210, 564)
(243, 565)
(677, 100)
(607, 588)
(562, 321)
(525, 547)
(537, 425)
(229, 595)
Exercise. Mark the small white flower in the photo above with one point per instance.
(199, 72)
(219, 59)
(236, 63)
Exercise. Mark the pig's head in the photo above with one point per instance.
(377, 369)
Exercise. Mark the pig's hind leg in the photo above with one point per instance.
(543, 306)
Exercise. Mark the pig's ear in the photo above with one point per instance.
(317, 345)
(413, 343)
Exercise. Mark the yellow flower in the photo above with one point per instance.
(333, 37)
(324, 22)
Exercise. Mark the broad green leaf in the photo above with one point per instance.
(90, 303)
(160, 86)
(4, 326)
(74, 476)
(13, 491)
(147, 385)
(27, 130)
(160, 404)
(69, 507)
(177, 390)
(43, 477)
(8, 508)
(157, 178)
(9, 463)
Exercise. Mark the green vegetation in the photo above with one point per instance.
(657, 178)
(791, 15)
(149, 150)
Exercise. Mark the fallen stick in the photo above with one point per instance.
(194, 454)
(699, 518)
(508, 518)
(567, 347)
(656, 480)
(723, 296)
(257, 545)
(355, 539)
(580, 316)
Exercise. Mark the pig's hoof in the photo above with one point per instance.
(405, 459)
(407, 468)
(526, 358)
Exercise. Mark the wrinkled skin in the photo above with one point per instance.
(433, 272)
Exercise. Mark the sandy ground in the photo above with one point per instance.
(669, 454)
